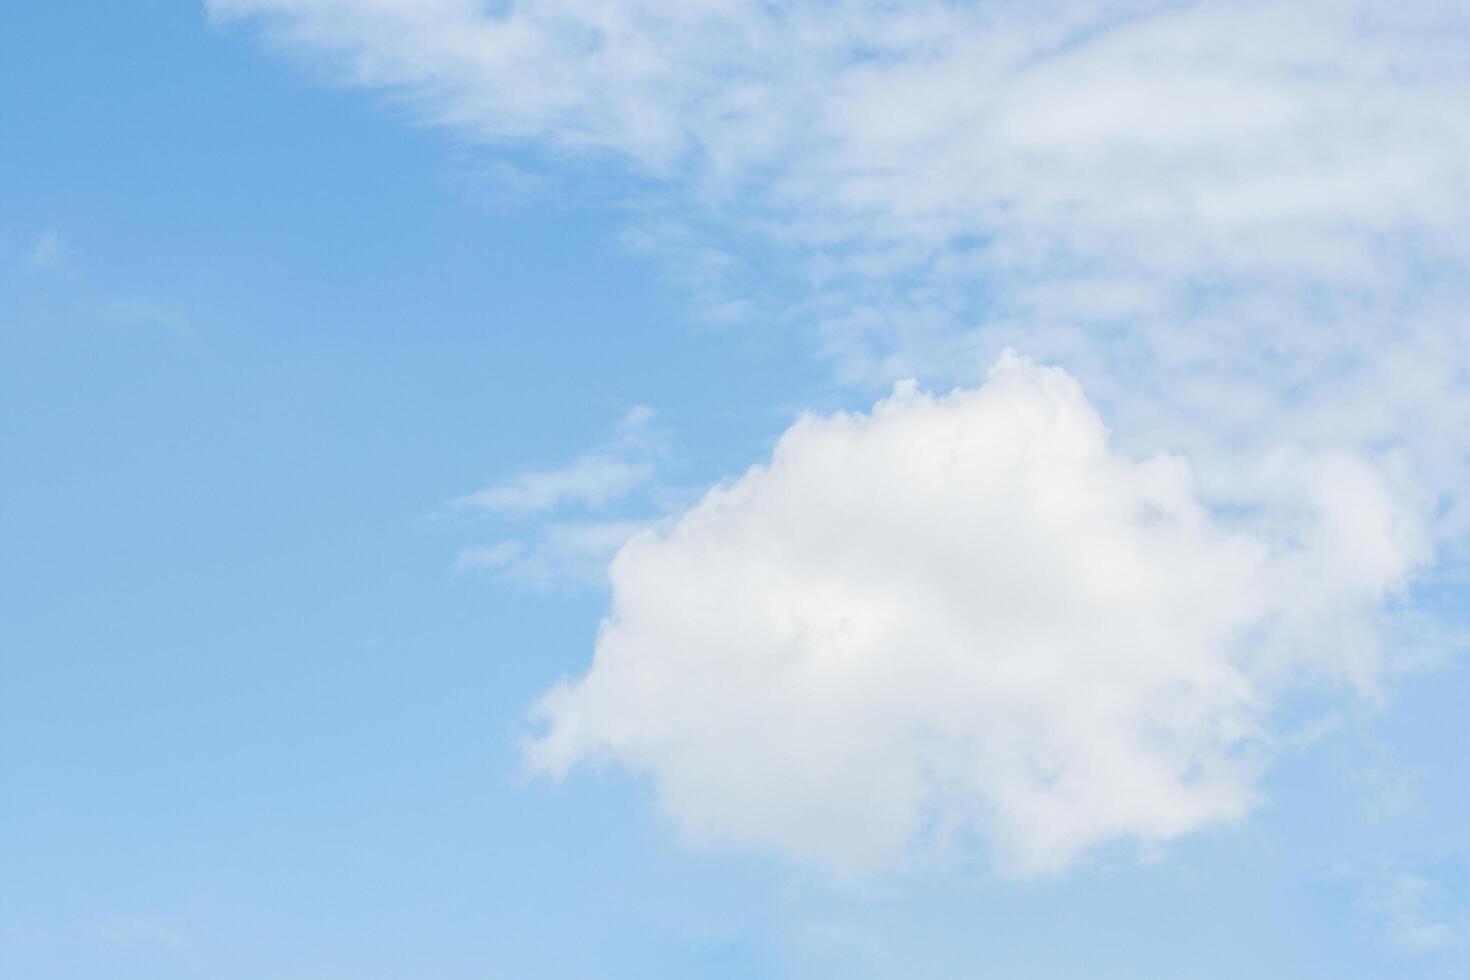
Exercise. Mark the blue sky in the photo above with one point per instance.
(337, 363)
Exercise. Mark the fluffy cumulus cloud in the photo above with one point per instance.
(1239, 223)
(958, 615)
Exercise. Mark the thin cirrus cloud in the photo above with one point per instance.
(552, 549)
(1417, 911)
(1238, 223)
(591, 480)
(559, 553)
(617, 468)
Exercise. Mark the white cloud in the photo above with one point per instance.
(497, 555)
(545, 552)
(592, 480)
(1254, 131)
(1240, 223)
(559, 553)
(1417, 914)
(965, 613)
(1235, 220)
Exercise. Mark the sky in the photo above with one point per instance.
(827, 488)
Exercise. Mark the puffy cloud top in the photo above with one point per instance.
(957, 614)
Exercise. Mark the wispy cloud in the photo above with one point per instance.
(49, 257)
(544, 545)
(1417, 913)
(48, 252)
(556, 553)
(498, 184)
(144, 930)
(499, 555)
(1387, 789)
(1239, 223)
(148, 314)
(592, 480)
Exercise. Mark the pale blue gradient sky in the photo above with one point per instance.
(257, 334)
